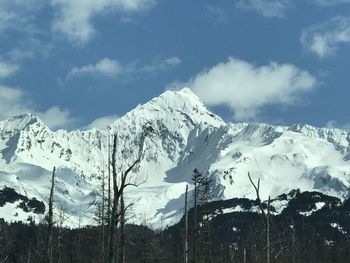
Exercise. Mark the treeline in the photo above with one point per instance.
(231, 237)
(27, 242)
(241, 237)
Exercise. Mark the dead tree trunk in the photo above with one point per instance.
(293, 241)
(122, 230)
(49, 219)
(79, 238)
(29, 254)
(186, 226)
(60, 234)
(118, 191)
(109, 238)
(195, 220)
(267, 216)
(114, 215)
(103, 219)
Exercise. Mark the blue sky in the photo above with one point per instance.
(83, 63)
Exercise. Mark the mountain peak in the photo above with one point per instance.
(173, 108)
(184, 92)
(177, 99)
(19, 122)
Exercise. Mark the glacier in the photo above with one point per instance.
(182, 134)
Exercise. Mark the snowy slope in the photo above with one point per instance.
(174, 133)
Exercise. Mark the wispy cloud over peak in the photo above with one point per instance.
(325, 38)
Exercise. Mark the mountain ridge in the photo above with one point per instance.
(182, 135)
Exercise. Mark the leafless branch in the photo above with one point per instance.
(257, 190)
(2, 261)
(280, 252)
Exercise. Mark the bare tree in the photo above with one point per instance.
(4, 260)
(62, 217)
(293, 242)
(109, 201)
(186, 226)
(122, 230)
(103, 219)
(118, 210)
(79, 237)
(101, 215)
(267, 215)
(49, 219)
(101, 211)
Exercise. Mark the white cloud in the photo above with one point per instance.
(107, 67)
(330, 2)
(246, 88)
(112, 68)
(267, 8)
(75, 18)
(15, 101)
(12, 101)
(325, 38)
(17, 55)
(56, 118)
(173, 61)
(217, 14)
(333, 124)
(18, 14)
(103, 122)
(7, 69)
(163, 65)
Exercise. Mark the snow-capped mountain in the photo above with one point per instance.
(173, 133)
